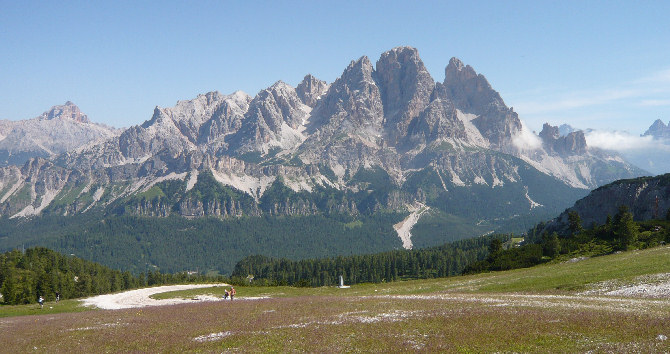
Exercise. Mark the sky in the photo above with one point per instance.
(603, 65)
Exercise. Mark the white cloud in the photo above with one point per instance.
(580, 100)
(662, 76)
(527, 140)
(655, 103)
(623, 141)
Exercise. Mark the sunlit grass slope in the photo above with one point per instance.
(528, 310)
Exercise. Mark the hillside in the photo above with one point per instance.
(646, 197)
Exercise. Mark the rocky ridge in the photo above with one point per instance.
(646, 197)
(389, 120)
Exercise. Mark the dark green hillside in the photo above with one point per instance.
(446, 260)
(42, 272)
(175, 244)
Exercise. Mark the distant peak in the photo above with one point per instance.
(658, 130)
(279, 85)
(68, 111)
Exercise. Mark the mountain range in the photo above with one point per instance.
(383, 137)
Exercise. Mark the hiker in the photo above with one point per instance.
(57, 296)
(232, 293)
(41, 301)
(225, 294)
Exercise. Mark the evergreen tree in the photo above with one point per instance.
(551, 245)
(625, 229)
(574, 222)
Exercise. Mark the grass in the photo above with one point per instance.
(527, 310)
(49, 308)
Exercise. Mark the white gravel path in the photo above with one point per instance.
(141, 297)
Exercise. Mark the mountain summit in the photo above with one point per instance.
(62, 128)
(67, 111)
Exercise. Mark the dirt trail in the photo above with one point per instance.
(141, 297)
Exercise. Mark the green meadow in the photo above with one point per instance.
(558, 307)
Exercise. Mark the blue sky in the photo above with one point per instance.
(591, 64)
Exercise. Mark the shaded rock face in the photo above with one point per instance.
(472, 93)
(405, 87)
(390, 119)
(647, 198)
(574, 143)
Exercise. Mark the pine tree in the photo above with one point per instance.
(625, 229)
(574, 222)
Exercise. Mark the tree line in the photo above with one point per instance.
(618, 233)
(27, 275)
(442, 261)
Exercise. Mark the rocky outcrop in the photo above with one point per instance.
(311, 89)
(573, 143)
(647, 198)
(274, 120)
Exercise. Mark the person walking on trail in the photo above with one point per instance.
(225, 294)
(57, 296)
(232, 293)
(41, 301)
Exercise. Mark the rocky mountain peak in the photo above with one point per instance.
(457, 71)
(358, 72)
(471, 93)
(658, 130)
(406, 87)
(573, 143)
(68, 111)
(310, 89)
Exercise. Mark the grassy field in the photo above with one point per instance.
(541, 309)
